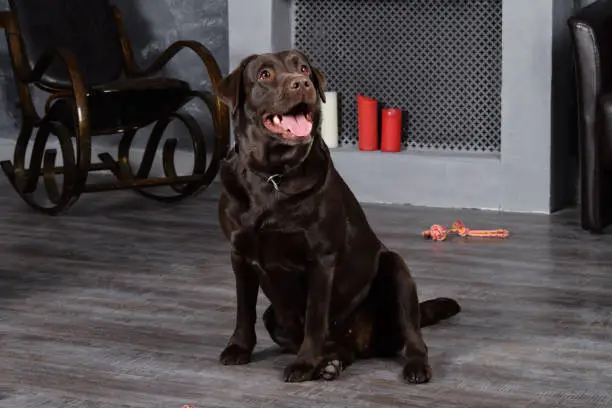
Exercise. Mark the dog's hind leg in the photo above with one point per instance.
(289, 341)
(397, 300)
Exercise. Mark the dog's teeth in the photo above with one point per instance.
(276, 120)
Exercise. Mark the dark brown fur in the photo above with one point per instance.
(336, 292)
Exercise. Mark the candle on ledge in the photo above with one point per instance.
(329, 119)
(367, 122)
(391, 132)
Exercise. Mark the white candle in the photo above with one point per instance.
(329, 119)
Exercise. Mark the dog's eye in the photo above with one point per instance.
(265, 74)
(304, 70)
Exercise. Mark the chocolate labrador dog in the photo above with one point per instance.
(297, 231)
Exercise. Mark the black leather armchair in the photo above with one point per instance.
(591, 34)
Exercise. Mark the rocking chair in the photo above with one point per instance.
(78, 52)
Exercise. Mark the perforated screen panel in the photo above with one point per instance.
(438, 60)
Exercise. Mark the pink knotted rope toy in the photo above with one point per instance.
(439, 233)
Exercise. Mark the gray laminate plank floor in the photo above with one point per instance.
(126, 302)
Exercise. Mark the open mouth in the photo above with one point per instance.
(296, 123)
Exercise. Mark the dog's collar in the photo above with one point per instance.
(275, 179)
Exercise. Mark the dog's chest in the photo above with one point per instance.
(270, 238)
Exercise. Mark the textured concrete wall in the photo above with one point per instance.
(152, 25)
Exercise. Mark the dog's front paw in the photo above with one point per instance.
(331, 370)
(417, 372)
(235, 355)
(299, 371)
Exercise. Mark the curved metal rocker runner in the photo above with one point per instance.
(98, 89)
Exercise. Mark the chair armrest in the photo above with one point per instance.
(591, 37)
(219, 109)
(32, 75)
(214, 72)
(22, 68)
(27, 75)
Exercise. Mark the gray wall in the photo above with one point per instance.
(152, 25)
(537, 119)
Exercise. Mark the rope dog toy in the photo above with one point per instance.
(439, 233)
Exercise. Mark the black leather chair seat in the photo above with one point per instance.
(126, 104)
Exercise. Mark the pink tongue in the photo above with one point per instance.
(298, 125)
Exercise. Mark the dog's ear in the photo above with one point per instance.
(318, 77)
(230, 89)
(319, 81)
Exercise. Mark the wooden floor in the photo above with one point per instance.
(123, 302)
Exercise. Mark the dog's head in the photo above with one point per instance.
(276, 92)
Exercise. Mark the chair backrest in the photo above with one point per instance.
(85, 27)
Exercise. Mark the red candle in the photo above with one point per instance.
(367, 118)
(391, 130)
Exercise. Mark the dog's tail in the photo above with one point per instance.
(434, 310)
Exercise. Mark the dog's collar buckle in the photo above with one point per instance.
(274, 180)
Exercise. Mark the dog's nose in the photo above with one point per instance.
(299, 83)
